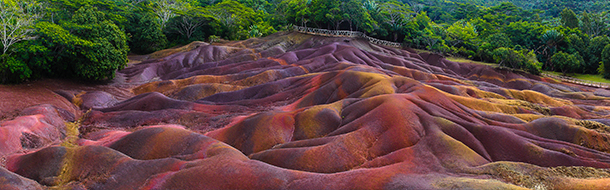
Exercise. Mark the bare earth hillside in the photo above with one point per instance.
(295, 111)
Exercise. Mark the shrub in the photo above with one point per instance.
(594, 51)
(566, 62)
(88, 47)
(147, 36)
(491, 43)
(13, 70)
(522, 59)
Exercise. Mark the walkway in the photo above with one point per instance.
(344, 33)
(578, 81)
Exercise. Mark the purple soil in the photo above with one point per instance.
(293, 111)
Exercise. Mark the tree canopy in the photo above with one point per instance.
(90, 39)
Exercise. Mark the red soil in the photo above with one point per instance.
(293, 111)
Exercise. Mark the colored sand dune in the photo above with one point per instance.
(294, 111)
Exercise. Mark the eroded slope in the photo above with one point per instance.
(293, 111)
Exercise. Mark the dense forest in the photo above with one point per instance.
(90, 39)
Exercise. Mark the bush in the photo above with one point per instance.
(566, 62)
(146, 34)
(36, 56)
(88, 47)
(13, 70)
(491, 43)
(522, 59)
(213, 38)
(594, 51)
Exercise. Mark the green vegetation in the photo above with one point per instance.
(587, 77)
(590, 77)
(90, 39)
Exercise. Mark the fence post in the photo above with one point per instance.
(344, 33)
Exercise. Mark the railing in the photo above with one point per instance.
(344, 33)
(578, 81)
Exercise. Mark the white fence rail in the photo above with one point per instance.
(344, 33)
(578, 81)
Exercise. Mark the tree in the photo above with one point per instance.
(423, 33)
(604, 68)
(146, 33)
(234, 18)
(62, 10)
(566, 62)
(296, 11)
(525, 33)
(594, 53)
(356, 16)
(507, 57)
(189, 22)
(16, 20)
(333, 14)
(88, 46)
(522, 59)
(550, 39)
(432, 37)
(166, 10)
(594, 24)
(371, 6)
(461, 32)
(491, 43)
(396, 16)
(574, 43)
(569, 19)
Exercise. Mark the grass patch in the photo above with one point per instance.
(588, 77)
(418, 51)
(464, 60)
(594, 78)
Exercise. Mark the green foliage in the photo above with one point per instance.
(594, 24)
(16, 20)
(594, 53)
(430, 37)
(491, 43)
(213, 38)
(88, 46)
(569, 19)
(114, 10)
(36, 56)
(521, 59)
(146, 34)
(423, 33)
(260, 29)
(604, 68)
(461, 33)
(254, 32)
(525, 33)
(106, 48)
(189, 25)
(567, 63)
(13, 70)
(574, 43)
(86, 38)
(233, 19)
(552, 8)
(550, 39)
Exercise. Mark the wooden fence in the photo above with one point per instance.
(578, 81)
(344, 33)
